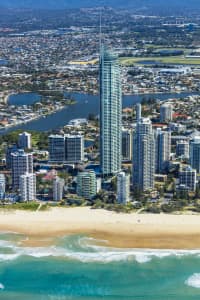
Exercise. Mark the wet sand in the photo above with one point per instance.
(162, 231)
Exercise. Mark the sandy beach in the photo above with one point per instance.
(120, 230)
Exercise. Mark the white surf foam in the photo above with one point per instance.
(2, 287)
(87, 250)
(194, 281)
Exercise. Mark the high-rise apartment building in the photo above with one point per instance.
(143, 155)
(166, 113)
(138, 112)
(2, 186)
(86, 184)
(127, 143)
(195, 154)
(123, 187)
(74, 148)
(188, 178)
(66, 148)
(9, 151)
(57, 148)
(182, 149)
(58, 187)
(163, 150)
(27, 187)
(110, 113)
(24, 140)
(21, 163)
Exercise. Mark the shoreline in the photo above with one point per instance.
(142, 231)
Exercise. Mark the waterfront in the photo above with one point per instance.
(85, 105)
(77, 267)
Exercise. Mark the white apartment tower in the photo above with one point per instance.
(163, 150)
(27, 186)
(143, 155)
(123, 187)
(21, 163)
(166, 113)
(86, 184)
(58, 187)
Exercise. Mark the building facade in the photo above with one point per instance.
(9, 151)
(86, 184)
(74, 148)
(58, 188)
(57, 148)
(110, 113)
(195, 154)
(182, 149)
(188, 178)
(127, 144)
(166, 113)
(143, 155)
(27, 186)
(66, 148)
(163, 150)
(21, 163)
(123, 188)
(24, 140)
(2, 186)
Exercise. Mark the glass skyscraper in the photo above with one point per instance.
(110, 113)
(143, 155)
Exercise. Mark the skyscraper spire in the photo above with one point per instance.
(100, 31)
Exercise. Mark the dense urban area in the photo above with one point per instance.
(142, 157)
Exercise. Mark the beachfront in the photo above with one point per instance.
(120, 230)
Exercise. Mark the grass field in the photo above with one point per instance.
(89, 62)
(165, 60)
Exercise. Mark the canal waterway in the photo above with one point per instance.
(85, 105)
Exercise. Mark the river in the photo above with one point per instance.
(85, 104)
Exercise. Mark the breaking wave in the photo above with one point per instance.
(87, 250)
(194, 280)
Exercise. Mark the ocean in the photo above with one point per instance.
(78, 267)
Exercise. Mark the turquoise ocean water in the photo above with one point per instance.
(77, 267)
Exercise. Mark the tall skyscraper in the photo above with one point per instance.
(163, 150)
(143, 155)
(127, 143)
(24, 140)
(110, 113)
(58, 187)
(138, 111)
(123, 187)
(27, 186)
(21, 163)
(195, 154)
